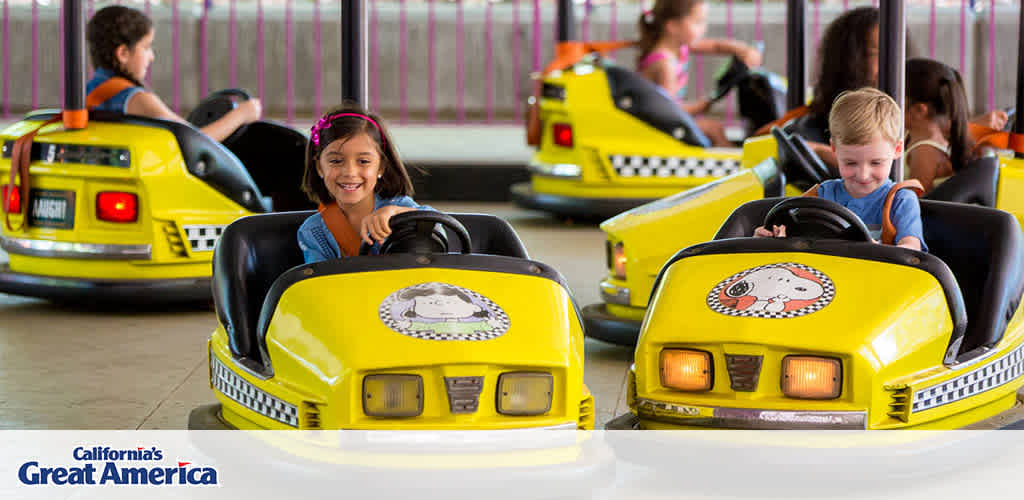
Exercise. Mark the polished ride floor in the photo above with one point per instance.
(66, 367)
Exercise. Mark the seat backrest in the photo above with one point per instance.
(983, 248)
(274, 155)
(204, 158)
(490, 235)
(649, 103)
(976, 183)
(250, 255)
(811, 127)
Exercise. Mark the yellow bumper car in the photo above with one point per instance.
(415, 339)
(641, 240)
(609, 140)
(130, 208)
(828, 330)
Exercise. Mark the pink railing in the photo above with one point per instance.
(531, 39)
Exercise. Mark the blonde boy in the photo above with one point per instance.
(866, 138)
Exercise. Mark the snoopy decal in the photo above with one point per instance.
(785, 290)
(441, 311)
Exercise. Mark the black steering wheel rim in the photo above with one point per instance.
(419, 225)
(813, 217)
(215, 106)
(795, 153)
(730, 77)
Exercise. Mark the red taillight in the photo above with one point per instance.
(563, 134)
(117, 207)
(12, 199)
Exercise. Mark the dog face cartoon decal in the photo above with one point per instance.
(441, 311)
(785, 290)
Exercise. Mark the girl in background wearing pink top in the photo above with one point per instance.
(669, 33)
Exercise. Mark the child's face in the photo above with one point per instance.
(865, 167)
(690, 28)
(350, 168)
(136, 60)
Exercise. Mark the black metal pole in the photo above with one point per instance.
(565, 21)
(892, 34)
(795, 59)
(74, 55)
(353, 51)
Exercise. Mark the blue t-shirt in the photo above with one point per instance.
(317, 243)
(905, 213)
(119, 102)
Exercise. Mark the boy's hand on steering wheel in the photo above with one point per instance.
(375, 227)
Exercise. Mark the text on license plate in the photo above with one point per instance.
(52, 208)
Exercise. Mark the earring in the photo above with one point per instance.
(380, 175)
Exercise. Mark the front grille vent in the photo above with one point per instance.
(464, 393)
(744, 371)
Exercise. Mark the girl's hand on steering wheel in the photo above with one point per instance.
(750, 56)
(375, 227)
(251, 110)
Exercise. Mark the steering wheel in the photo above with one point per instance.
(416, 232)
(808, 216)
(794, 153)
(729, 77)
(215, 106)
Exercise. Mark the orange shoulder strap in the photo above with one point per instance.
(792, 114)
(984, 136)
(106, 90)
(888, 229)
(813, 192)
(341, 229)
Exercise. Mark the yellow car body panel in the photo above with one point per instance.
(321, 350)
(890, 348)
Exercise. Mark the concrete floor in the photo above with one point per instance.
(66, 368)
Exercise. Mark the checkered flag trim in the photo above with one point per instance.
(497, 313)
(246, 394)
(828, 293)
(656, 166)
(203, 238)
(999, 372)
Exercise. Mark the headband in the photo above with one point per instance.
(325, 123)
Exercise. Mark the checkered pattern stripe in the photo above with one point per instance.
(999, 372)
(203, 238)
(246, 394)
(655, 166)
(393, 323)
(826, 297)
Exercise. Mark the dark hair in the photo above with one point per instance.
(941, 88)
(652, 22)
(112, 27)
(395, 180)
(439, 289)
(843, 57)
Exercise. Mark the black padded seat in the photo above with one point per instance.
(976, 254)
(643, 99)
(976, 184)
(253, 252)
(275, 156)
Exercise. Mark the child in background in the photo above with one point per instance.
(121, 46)
(353, 171)
(866, 139)
(669, 32)
(936, 122)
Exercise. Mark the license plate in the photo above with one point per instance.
(52, 209)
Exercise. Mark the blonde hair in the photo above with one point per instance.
(858, 116)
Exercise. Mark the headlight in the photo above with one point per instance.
(618, 261)
(686, 370)
(392, 395)
(811, 377)
(525, 393)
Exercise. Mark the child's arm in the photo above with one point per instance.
(910, 242)
(149, 105)
(924, 165)
(777, 232)
(660, 72)
(376, 226)
(749, 55)
(906, 216)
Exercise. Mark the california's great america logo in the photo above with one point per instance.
(105, 466)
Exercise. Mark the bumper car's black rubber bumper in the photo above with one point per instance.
(524, 196)
(87, 290)
(600, 325)
(624, 422)
(207, 418)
